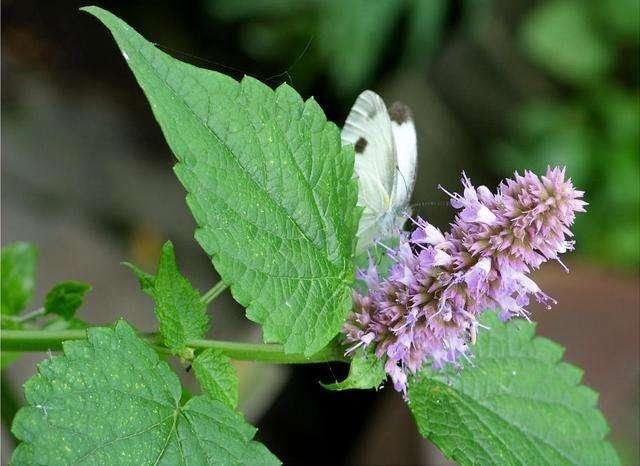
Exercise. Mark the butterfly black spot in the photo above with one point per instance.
(400, 113)
(361, 144)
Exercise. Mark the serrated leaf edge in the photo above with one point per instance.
(556, 362)
(235, 288)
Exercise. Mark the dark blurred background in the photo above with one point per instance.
(495, 86)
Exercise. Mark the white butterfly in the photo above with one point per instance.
(385, 165)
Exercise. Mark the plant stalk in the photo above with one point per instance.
(213, 293)
(43, 340)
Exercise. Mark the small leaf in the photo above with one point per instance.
(269, 184)
(515, 404)
(146, 280)
(17, 270)
(110, 400)
(65, 298)
(366, 371)
(180, 311)
(217, 376)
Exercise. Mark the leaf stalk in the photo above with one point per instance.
(44, 340)
(213, 293)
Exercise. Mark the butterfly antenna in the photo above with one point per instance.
(376, 260)
(406, 186)
(429, 204)
(385, 247)
(198, 58)
(332, 374)
(294, 63)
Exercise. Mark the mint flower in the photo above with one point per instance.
(426, 310)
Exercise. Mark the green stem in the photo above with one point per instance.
(214, 292)
(43, 340)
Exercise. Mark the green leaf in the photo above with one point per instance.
(269, 184)
(65, 298)
(352, 36)
(515, 404)
(110, 400)
(180, 311)
(366, 371)
(146, 280)
(217, 376)
(17, 271)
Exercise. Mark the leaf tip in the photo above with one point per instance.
(168, 247)
(91, 9)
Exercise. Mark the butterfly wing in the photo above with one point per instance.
(368, 128)
(406, 150)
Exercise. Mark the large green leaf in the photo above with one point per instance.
(110, 400)
(17, 271)
(269, 184)
(515, 404)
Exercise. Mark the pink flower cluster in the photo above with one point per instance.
(426, 309)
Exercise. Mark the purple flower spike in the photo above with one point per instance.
(426, 310)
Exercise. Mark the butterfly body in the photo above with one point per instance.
(385, 165)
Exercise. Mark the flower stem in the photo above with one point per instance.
(214, 292)
(43, 340)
